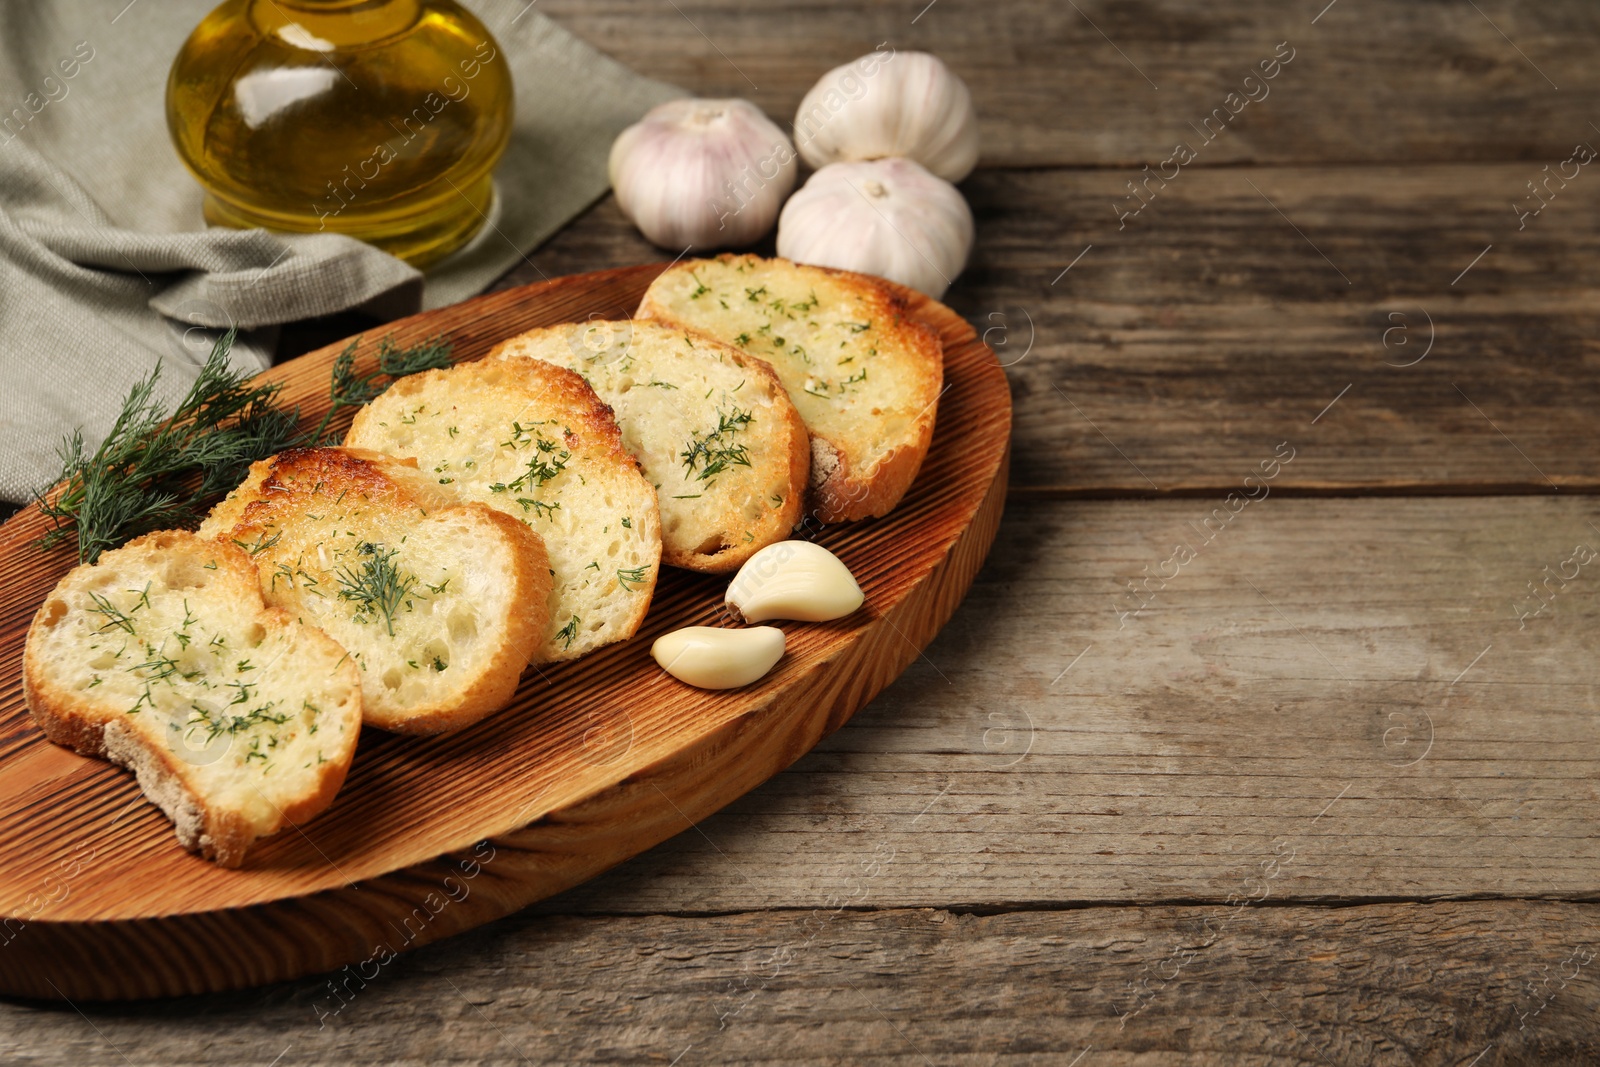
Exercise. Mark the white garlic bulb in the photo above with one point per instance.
(797, 580)
(896, 104)
(702, 173)
(887, 217)
(713, 658)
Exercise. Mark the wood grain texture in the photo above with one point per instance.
(1171, 761)
(1399, 985)
(1347, 679)
(592, 762)
(1113, 82)
(1181, 348)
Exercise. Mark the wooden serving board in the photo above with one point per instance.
(592, 763)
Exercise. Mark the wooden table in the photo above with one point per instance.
(1268, 735)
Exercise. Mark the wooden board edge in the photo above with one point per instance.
(353, 929)
(434, 898)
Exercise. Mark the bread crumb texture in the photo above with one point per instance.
(864, 375)
(163, 657)
(439, 603)
(534, 442)
(713, 430)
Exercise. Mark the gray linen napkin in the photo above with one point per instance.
(107, 267)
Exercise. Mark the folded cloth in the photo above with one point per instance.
(107, 268)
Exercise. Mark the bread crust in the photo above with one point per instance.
(297, 489)
(530, 579)
(843, 490)
(74, 720)
(783, 518)
(799, 458)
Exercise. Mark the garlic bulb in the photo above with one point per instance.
(900, 104)
(713, 658)
(797, 580)
(887, 217)
(702, 173)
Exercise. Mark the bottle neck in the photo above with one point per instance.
(331, 25)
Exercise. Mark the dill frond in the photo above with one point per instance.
(714, 452)
(347, 389)
(157, 469)
(378, 588)
(154, 470)
(568, 633)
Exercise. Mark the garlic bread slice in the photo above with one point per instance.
(237, 718)
(439, 602)
(712, 428)
(865, 377)
(534, 441)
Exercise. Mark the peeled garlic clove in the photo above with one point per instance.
(890, 104)
(713, 658)
(794, 580)
(888, 217)
(707, 173)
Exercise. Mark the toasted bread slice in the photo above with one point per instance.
(865, 376)
(237, 718)
(533, 440)
(713, 429)
(439, 602)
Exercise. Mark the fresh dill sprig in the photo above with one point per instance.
(260, 544)
(200, 719)
(393, 363)
(568, 633)
(548, 460)
(115, 617)
(539, 507)
(635, 575)
(714, 452)
(378, 588)
(347, 389)
(156, 470)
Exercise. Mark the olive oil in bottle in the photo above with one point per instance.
(380, 119)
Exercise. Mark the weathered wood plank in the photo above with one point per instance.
(1344, 681)
(1237, 307)
(1180, 349)
(1077, 83)
(1509, 982)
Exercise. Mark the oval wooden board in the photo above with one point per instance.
(593, 762)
